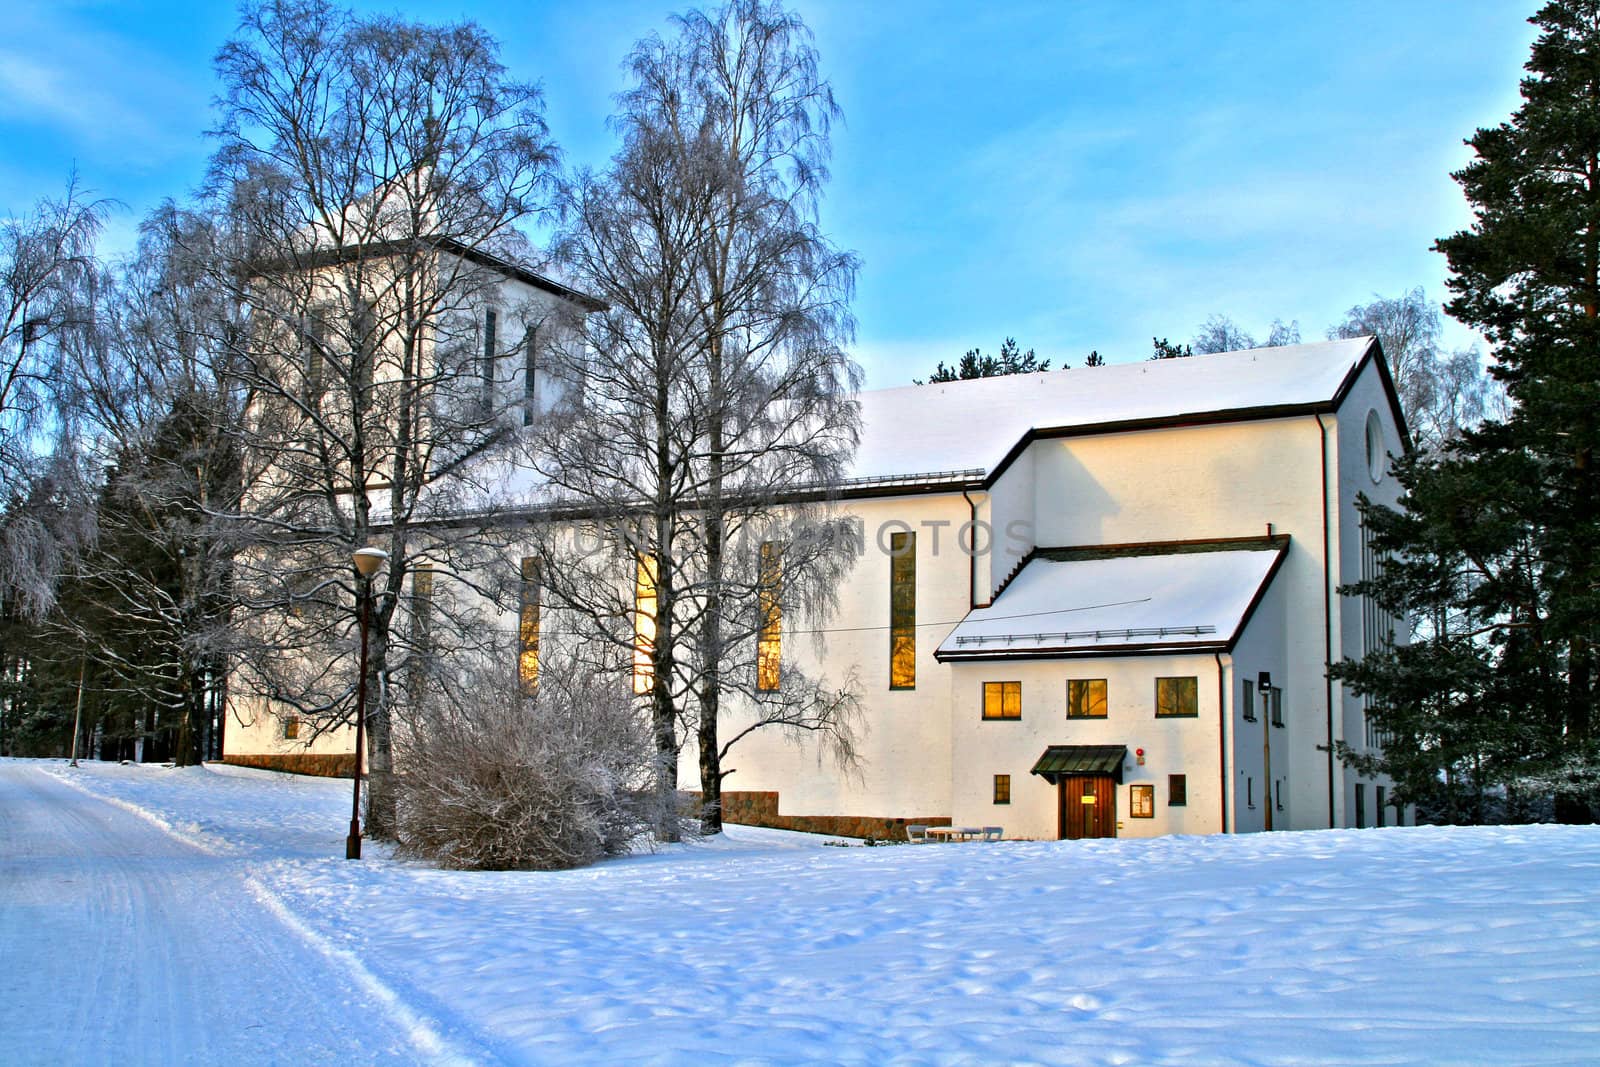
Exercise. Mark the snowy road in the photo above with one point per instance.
(121, 943)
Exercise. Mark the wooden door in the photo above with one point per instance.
(1088, 807)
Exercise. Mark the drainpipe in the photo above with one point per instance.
(1327, 612)
(1222, 731)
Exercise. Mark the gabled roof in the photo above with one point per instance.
(1117, 600)
(976, 426)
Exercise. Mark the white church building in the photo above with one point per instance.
(1092, 603)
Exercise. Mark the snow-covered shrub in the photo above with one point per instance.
(504, 780)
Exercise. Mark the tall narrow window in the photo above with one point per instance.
(489, 319)
(902, 611)
(530, 376)
(1177, 790)
(1177, 698)
(1250, 792)
(769, 603)
(528, 624)
(1249, 701)
(1002, 700)
(1382, 801)
(316, 344)
(1086, 698)
(644, 625)
(1361, 806)
(421, 627)
(1276, 695)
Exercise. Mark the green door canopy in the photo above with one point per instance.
(1060, 761)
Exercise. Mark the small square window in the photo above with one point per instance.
(1002, 700)
(1177, 791)
(1086, 698)
(1142, 801)
(291, 728)
(1177, 698)
(1002, 789)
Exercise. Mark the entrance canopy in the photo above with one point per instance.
(1061, 761)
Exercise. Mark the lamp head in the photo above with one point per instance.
(368, 560)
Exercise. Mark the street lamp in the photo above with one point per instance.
(367, 561)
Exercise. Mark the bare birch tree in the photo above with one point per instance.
(49, 276)
(717, 403)
(375, 171)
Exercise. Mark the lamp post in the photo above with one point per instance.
(367, 561)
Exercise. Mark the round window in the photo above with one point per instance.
(1377, 455)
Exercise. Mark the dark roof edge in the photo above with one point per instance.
(520, 273)
(1175, 648)
(1260, 594)
(1159, 422)
(1373, 353)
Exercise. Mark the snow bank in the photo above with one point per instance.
(1416, 945)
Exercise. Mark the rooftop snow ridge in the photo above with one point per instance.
(975, 423)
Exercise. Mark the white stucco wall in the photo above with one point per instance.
(983, 748)
(903, 736)
(1366, 397)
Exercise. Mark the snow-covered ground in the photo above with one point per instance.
(208, 915)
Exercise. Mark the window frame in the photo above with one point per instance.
(1002, 789)
(902, 610)
(1177, 790)
(1193, 694)
(1249, 700)
(529, 605)
(769, 609)
(1007, 688)
(530, 375)
(1105, 697)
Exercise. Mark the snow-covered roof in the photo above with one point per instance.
(1086, 601)
(971, 426)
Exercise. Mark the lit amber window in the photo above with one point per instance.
(1177, 698)
(1002, 700)
(528, 624)
(902, 611)
(291, 728)
(1142, 801)
(422, 595)
(769, 642)
(1002, 789)
(644, 625)
(1086, 698)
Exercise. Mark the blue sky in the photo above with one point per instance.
(1079, 175)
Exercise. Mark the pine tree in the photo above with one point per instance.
(1497, 547)
(975, 364)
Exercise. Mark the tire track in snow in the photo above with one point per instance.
(424, 1035)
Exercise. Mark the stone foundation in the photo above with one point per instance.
(298, 763)
(761, 809)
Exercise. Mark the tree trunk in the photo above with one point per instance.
(711, 628)
(380, 738)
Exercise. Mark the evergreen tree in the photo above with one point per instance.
(975, 364)
(1161, 348)
(1497, 547)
